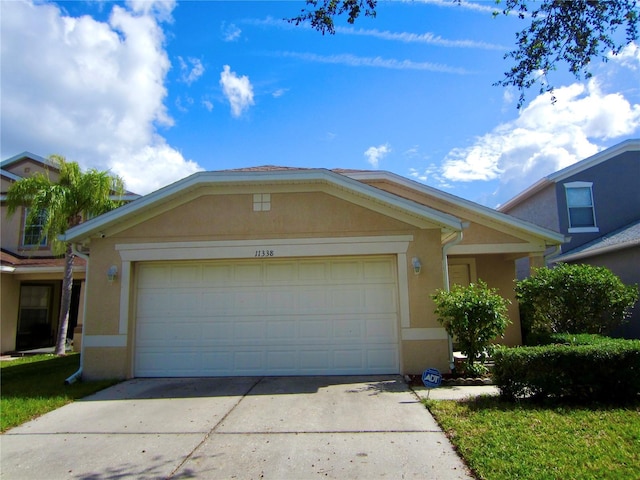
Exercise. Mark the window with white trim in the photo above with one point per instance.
(32, 232)
(580, 206)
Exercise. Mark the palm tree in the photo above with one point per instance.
(60, 205)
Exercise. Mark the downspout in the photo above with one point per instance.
(556, 251)
(445, 272)
(78, 374)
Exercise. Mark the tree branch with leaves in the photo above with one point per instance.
(572, 32)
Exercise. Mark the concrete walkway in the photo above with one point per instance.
(240, 428)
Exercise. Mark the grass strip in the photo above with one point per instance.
(33, 386)
(502, 440)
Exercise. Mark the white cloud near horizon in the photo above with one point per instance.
(544, 138)
(237, 90)
(375, 154)
(91, 91)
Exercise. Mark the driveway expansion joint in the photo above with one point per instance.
(212, 431)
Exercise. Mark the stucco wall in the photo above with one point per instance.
(10, 289)
(540, 209)
(499, 272)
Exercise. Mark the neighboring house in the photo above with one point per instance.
(595, 202)
(30, 275)
(280, 271)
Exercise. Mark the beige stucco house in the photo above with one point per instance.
(279, 271)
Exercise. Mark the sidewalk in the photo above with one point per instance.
(455, 392)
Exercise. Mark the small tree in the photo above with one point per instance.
(474, 315)
(64, 204)
(574, 298)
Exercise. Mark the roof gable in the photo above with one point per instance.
(631, 145)
(293, 180)
(465, 208)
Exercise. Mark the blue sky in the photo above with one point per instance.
(155, 91)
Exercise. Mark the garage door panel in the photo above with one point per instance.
(377, 270)
(186, 275)
(346, 300)
(345, 271)
(379, 298)
(248, 274)
(266, 317)
(217, 275)
(218, 333)
(284, 331)
(381, 359)
(155, 276)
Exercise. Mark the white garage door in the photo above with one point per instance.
(267, 317)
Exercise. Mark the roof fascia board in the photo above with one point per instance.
(9, 175)
(522, 196)
(600, 157)
(499, 217)
(26, 155)
(23, 270)
(201, 179)
(595, 251)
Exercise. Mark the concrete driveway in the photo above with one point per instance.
(237, 428)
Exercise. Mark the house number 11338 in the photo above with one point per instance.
(264, 253)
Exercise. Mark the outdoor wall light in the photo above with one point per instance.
(112, 273)
(417, 266)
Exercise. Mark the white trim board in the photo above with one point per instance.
(295, 247)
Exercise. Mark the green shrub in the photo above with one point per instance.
(603, 369)
(574, 299)
(569, 339)
(474, 316)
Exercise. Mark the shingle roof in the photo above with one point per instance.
(625, 237)
(14, 260)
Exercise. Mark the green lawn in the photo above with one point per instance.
(32, 386)
(501, 440)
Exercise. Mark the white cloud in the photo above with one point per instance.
(629, 56)
(375, 154)
(159, 163)
(482, 7)
(544, 138)
(159, 9)
(376, 62)
(230, 33)
(191, 71)
(427, 38)
(91, 91)
(279, 92)
(431, 175)
(208, 104)
(238, 91)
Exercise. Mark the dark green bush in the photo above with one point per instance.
(602, 370)
(567, 339)
(572, 298)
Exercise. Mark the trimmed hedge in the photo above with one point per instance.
(587, 368)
